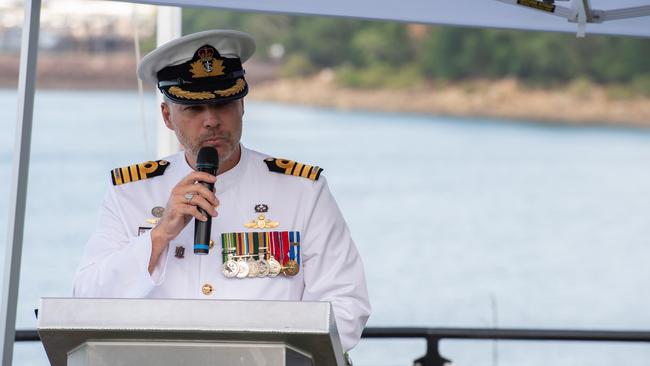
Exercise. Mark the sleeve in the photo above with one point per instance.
(115, 264)
(333, 270)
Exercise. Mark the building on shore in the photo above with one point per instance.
(78, 25)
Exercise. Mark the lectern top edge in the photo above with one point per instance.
(230, 326)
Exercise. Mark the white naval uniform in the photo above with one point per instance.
(115, 261)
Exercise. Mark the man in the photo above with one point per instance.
(277, 233)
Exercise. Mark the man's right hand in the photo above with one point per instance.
(179, 211)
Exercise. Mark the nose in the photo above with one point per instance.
(211, 118)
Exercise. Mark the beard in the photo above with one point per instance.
(226, 147)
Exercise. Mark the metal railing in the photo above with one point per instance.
(434, 335)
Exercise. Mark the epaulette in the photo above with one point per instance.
(142, 171)
(290, 167)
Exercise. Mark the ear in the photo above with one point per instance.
(165, 109)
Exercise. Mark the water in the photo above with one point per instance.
(551, 222)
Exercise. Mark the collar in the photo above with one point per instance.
(225, 180)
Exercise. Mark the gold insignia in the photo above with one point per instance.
(198, 69)
(142, 171)
(262, 223)
(291, 268)
(240, 84)
(206, 65)
(180, 93)
(291, 167)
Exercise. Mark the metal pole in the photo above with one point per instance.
(168, 27)
(15, 226)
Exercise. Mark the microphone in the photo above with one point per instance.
(206, 161)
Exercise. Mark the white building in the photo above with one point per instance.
(78, 24)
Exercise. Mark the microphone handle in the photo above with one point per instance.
(202, 229)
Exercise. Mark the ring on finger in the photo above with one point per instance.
(188, 197)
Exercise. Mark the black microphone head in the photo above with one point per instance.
(208, 158)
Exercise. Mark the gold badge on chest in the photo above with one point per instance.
(261, 222)
(157, 213)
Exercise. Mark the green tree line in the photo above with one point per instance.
(376, 53)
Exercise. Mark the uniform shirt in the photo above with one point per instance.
(116, 258)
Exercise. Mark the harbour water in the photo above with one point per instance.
(461, 222)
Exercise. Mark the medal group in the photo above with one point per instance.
(260, 254)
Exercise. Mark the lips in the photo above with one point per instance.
(214, 140)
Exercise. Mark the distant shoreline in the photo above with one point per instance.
(582, 104)
(504, 99)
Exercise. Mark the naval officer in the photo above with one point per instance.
(277, 232)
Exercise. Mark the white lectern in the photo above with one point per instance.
(165, 332)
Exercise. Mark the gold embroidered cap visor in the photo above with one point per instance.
(201, 68)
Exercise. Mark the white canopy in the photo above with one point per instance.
(601, 16)
(622, 17)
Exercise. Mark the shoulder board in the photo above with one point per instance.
(290, 167)
(142, 171)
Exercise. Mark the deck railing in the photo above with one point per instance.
(433, 336)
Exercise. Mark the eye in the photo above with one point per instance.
(226, 105)
(193, 108)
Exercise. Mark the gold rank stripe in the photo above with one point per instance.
(290, 167)
(136, 172)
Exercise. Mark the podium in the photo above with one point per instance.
(165, 332)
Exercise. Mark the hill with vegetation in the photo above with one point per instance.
(371, 54)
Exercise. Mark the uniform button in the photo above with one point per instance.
(207, 289)
(211, 244)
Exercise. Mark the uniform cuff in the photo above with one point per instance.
(144, 247)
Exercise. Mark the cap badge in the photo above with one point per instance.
(206, 65)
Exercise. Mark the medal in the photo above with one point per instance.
(250, 241)
(263, 267)
(290, 268)
(274, 267)
(261, 222)
(262, 264)
(230, 268)
(242, 265)
(242, 272)
(253, 267)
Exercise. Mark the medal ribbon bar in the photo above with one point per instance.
(281, 246)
